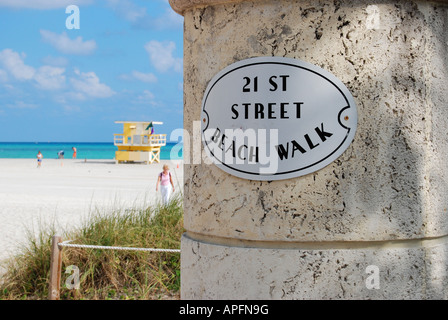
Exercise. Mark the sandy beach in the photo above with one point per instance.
(65, 191)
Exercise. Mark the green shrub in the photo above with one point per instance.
(105, 274)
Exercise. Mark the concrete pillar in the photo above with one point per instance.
(371, 225)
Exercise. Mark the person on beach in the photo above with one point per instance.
(165, 180)
(61, 154)
(74, 152)
(39, 159)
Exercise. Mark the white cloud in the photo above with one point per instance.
(66, 45)
(88, 83)
(22, 105)
(41, 4)
(140, 76)
(46, 77)
(139, 18)
(147, 97)
(55, 61)
(3, 76)
(50, 78)
(14, 64)
(53, 78)
(170, 19)
(161, 56)
(145, 77)
(127, 10)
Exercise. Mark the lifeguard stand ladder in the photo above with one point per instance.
(138, 143)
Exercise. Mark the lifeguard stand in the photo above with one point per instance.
(138, 143)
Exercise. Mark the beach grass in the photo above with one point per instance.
(104, 274)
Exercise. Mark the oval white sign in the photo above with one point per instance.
(273, 118)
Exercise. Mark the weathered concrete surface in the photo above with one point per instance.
(390, 184)
(374, 271)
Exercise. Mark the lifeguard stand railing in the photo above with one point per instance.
(154, 140)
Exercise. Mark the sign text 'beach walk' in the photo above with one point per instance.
(273, 118)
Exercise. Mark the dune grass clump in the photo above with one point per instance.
(105, 274)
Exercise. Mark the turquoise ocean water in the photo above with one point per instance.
(85, 150)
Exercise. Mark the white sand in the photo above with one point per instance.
(65, 191)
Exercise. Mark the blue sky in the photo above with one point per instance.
(124, 63)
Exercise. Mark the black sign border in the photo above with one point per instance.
(209, 89)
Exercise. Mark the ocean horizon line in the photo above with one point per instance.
(89, 150)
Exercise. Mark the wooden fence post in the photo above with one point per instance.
(55, 268)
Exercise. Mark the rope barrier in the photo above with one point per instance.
(56, 260)
(72, 245)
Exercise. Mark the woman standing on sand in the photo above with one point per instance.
(165, 180)
(39, 159)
